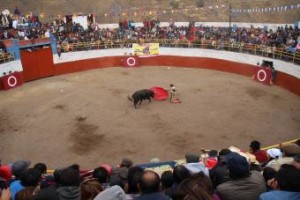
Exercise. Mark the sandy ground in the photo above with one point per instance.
(86, 117)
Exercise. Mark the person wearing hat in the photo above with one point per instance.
(244, 184)
(277, 158)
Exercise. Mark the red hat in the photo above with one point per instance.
(211, 163)
(108, 168)
(5, 172)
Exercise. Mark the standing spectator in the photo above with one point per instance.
(150, 187)
(244, 184)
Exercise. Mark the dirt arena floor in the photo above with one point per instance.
(86, 117)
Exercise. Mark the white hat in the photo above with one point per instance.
(274, 153)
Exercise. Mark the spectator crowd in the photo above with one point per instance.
(228, 174)
(284, 38)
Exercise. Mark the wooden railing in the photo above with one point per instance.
(260, 50)
(6, 57)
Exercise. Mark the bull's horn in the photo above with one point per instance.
(130, 98)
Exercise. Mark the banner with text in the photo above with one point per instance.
(145, 49)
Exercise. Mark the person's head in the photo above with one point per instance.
(27, 193)
(192, 158)
(269, 173)
(254, 146)
(41, 167)
(134, 175)
(126, 162)
(149, 182)
(19, 167)
(31, 177)
(198, 186)
(222, 156)
(57, 173)
(180, 173)
(171, 85)
(274, 153)
(101, 174)
(116, 180)
(69, 177)
(238, 165)
(89, 189)
(288, 178)
(167, 179)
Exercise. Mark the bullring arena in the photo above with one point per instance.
(82, 115)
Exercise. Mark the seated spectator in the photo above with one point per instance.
(282, 159)
(17, 168)
(46, 194)
(291, 150)
(243, 181)
(274, 154)
(219, 174)
(198, 184)
(261, 155)
(167, 181)
(296, 161)
(68, 184)
(5, 172)
(102, 175)
(269, 174)
(212, 159)
(30, 179)
(194, 165)
(149, 185)
(27, 193)
(131, 188)
(287, 184)
(180, 173)
(121, 172)
(89, 189)
(47, 180)
(112, 193)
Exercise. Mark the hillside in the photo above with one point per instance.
(108, 11)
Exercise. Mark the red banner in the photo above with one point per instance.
(12, 80)
(131, 61)
(263, 75)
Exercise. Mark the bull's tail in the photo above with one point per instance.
(130, 98)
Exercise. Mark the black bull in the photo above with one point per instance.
(141, 95)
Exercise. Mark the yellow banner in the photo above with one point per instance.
(145, 49)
